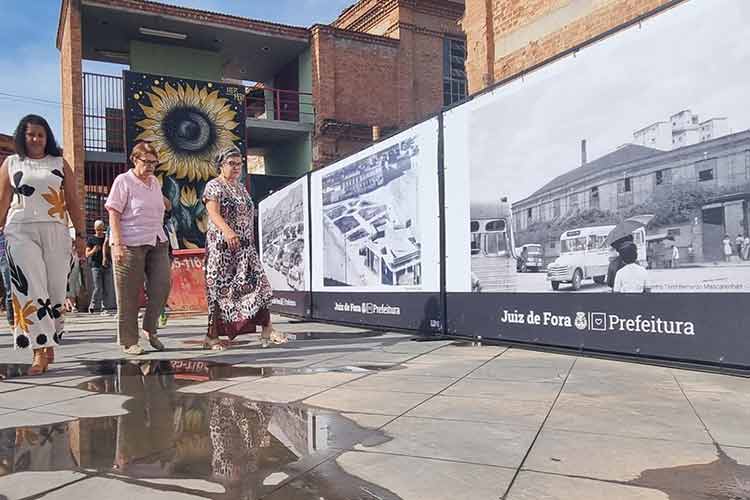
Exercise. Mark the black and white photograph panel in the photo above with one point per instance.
(622, 167)
(378, 216)
(284, 237)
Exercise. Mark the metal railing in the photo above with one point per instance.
(265, 103)
(98, 178)
(103, 119)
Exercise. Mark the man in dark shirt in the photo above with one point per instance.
(617, 263)
(101, 273)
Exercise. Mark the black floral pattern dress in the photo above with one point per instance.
(237, 289)
(38, 249)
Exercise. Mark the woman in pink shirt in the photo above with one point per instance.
(140, 248)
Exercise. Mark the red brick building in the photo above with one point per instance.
(322, 93)
(7, 146)
(506, 37)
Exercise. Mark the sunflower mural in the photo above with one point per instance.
(188, 122)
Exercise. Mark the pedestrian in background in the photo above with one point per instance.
(38, 192)
(727, 248)
(675, 258)
(75, 285)
(5, 270)
(139, 247)
(237, 289)
(102, 296)
(738, 241)
(746, 248)
(631, 278)
(615, 259)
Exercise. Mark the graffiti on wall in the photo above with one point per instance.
(189, 122)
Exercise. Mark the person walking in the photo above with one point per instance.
(615, 259)
(738, 245)
(675, 257)
(237, 289)
(5, 270)
(727, 248)
(38, 192)
(139, 248)
(746, 248)
(75, 285)
(631, 278)
(101, 273)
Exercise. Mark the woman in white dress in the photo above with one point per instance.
(37, 194)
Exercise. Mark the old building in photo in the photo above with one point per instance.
(698, 192)
(314, 94)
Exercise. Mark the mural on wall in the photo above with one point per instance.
(188, 122)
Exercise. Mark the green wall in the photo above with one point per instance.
(175, 61)
(293, 158)
(305, 85)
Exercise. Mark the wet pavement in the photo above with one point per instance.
(350, 414)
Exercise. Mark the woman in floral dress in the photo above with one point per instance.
(237, 289)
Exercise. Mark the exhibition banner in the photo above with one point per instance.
(284, 247)
(611, 185)
(375, 224)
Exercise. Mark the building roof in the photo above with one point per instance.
(189, 14)
(651, 125)
(625, 154)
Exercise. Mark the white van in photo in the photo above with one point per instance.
(584, 255)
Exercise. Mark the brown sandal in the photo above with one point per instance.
(40, 363)
(279, 338)
(214, 344)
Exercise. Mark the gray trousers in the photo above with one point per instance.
(103, 293)
(139, 264)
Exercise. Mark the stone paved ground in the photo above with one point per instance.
(382, 416)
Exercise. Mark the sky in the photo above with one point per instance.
(694, 56)
(30, 62)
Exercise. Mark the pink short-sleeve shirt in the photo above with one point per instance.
(141, 208)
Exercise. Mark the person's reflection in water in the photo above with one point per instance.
(145, 435)
(238, 430)
(42, 448)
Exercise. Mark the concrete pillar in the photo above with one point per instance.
(323, 49)
(70, 46)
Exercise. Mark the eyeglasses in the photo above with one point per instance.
(151, 163)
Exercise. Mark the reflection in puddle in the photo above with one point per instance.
(249, 448)
(722, 479)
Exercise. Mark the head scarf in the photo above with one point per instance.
(226, 153)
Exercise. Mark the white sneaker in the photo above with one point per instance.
(133, 350)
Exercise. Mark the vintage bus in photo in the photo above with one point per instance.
(584, 255)
(493, 259)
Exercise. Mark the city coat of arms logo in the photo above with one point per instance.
(580, 321)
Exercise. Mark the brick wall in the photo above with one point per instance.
(380, 64)
(505, 37)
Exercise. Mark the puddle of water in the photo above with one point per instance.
(332, 335)
(193, 370)
(248, 447)
(722, 479)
